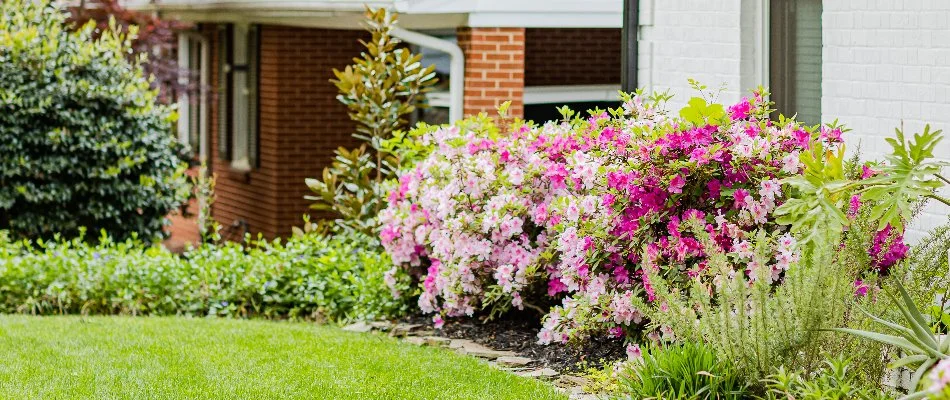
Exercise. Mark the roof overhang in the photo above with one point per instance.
(414, 14)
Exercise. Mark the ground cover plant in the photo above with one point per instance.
(84, 141)
(183, 358)
(309, 276)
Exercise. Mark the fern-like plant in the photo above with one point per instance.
(758, 325)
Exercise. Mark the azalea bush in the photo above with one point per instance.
(566, 213)
(309, 276)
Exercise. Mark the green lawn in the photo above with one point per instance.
(177, 358)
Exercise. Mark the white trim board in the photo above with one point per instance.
(570, 94)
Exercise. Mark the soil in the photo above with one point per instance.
(518, 332)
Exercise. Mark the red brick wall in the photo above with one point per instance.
(304, 115)
(572, 56)
(184, 228)
(301, 123)
(494, 68)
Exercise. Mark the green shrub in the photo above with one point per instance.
(686, 371)
(835, 381)
(83, 141)
(309, 276)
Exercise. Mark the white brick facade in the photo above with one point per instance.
(887, 63)
(884, 64)
(710, 41)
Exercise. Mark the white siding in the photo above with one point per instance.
(887, 64)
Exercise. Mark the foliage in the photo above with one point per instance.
(385, 84)
(309, 276)
(560, 213)
(921, 346)
(685, 371)
(152, 36)
(822, 192)
(83, 358)
(835, 381)
(748, 319)
(83, 140)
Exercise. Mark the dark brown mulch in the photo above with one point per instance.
(519, 333)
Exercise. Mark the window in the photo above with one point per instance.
(192, 108)
(795, 58)
(238, 78)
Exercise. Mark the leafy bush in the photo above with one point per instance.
(309, 276)
(83, 142)
(561, 212)
(686, 371)
(835, 381)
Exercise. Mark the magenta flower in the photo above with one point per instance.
(860, 288)
(740, 110)
(676, 185)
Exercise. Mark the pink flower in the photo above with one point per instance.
(634, 353)
(860, 288)
(854, 207)
(791, 163)
(770, 189)
(438, 322)
(740, 196)
(676, 185)
(740, 110)
(831, 135)
(867, 172)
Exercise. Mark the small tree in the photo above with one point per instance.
(384, 85)
(83, 140)
(155, 35)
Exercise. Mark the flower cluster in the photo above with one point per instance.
(939, 378)
(574, 211)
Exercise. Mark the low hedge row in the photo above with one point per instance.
(309, 276)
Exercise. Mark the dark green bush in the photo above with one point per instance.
(83, 141)
(309, 276)
(686, 371)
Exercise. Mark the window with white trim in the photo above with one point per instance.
(191, 107)
(238, 95)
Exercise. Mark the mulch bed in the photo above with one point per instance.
(518, 332)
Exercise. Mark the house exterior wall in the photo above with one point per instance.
(713, 42)
(494, 69)
(301, 123)
(886, 65)
(572, 56)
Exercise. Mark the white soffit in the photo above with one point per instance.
(416, 14)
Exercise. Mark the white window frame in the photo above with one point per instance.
(186, 41)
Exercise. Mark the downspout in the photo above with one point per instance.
(631, 46)
(456, 66)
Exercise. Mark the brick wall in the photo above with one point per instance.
(572, 56)
(301, 123)
(887, 64)
(184, 227)
(494, 68)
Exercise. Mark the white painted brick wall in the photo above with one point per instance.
(699, 39)
(886, 64)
